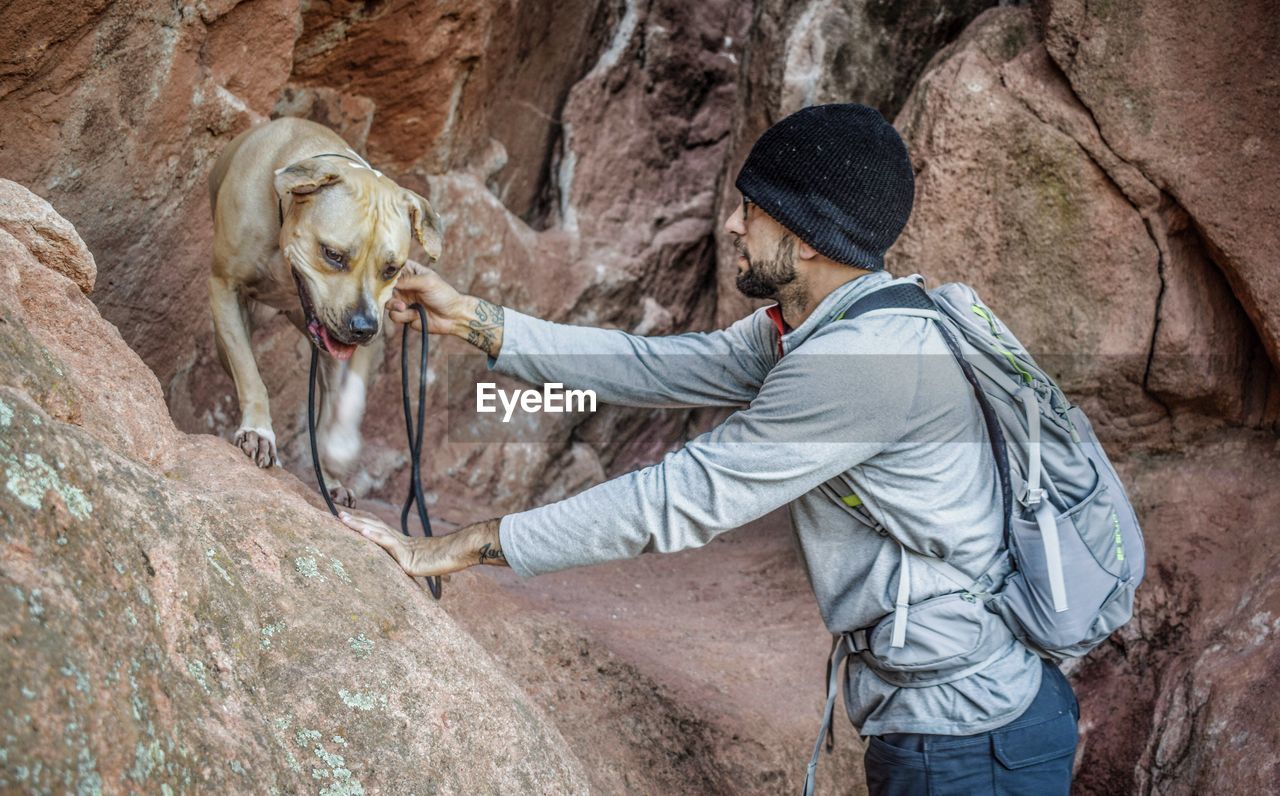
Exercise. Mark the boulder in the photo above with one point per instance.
(1185, 92)
(33, 223)
(1180, 701)
(1013, 206)
(176, 621)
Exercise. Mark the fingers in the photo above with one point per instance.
(418, 557)
(420, 280)
(410, 317)
(373, 529)
(381, 534)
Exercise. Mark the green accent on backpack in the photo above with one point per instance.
(1119, 538)
(986, 316)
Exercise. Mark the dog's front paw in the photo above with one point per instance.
(342, 496)
(259, 444)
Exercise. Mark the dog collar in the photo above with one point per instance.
(359, 161)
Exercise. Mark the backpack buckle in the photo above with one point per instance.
(1032, 497)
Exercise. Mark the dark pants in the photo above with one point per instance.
(1030, 755)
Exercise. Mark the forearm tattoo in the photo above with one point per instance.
(484, 330)
(486, 545)
(491, 554)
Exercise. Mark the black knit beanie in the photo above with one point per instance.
(836, 176)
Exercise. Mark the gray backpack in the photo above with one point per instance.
(1071, 533)
(1075, 553)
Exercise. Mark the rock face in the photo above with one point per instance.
(1099, 267)
(1012, 206)
(174, 620)
(1183, 701)
(114, 112)
(1185, 92)
(33, 223)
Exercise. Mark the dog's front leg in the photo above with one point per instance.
(346, 387)
(231, 331)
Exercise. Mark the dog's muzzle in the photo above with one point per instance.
(321, 337)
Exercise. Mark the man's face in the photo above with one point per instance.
(766, 252)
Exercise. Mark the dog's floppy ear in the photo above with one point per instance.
(425, 224)
(306, 177)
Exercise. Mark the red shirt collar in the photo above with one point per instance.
(775, 315)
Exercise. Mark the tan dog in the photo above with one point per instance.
(303, 224)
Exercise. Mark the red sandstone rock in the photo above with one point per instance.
(1012, 206)
(94, 380)
(1183, 700)
(1205, 352)
(348, 115)
(1185, 91)
(38, 227)
(113, 113)
(173, 619)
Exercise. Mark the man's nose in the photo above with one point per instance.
(362, 327)
(733, 224)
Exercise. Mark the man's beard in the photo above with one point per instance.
(764, 278)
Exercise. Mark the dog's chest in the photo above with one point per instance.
(274, 286)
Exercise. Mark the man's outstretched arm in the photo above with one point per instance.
(720, 368)
(819, 413)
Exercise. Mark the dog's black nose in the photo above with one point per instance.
(362, 327)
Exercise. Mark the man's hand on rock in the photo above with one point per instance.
(428, 556)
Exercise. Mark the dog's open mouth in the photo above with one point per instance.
(320, 335)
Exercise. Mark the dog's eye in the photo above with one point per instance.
(336, 259)
(390, 271)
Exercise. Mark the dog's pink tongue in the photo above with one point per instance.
(339, 350)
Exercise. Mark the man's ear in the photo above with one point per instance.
(306, 177)
(425, 224)
(805, 251)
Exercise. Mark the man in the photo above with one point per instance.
(866, 428)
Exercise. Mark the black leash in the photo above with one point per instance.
(412, 431)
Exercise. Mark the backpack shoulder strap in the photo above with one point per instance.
(907, 295)
(911, 298)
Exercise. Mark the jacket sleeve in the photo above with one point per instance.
(817, 414)
(720, 368)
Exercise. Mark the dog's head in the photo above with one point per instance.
(345, 235)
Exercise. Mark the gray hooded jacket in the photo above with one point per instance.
(873, 407)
